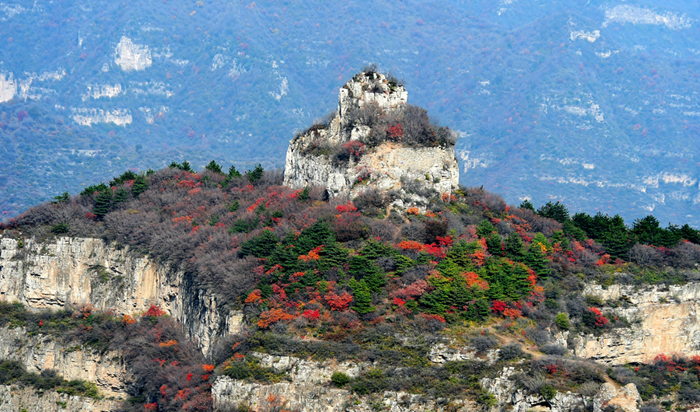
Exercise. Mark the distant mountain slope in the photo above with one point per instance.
(589, 104)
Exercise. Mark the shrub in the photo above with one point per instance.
(59, 229)
(548, 391)
(484, 343)
(554, 350)
(562, 321)
(512, 351)
(340, 379)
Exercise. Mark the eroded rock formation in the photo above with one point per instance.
(384, 164)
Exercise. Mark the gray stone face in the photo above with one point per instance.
(77, 271)
(384, 167)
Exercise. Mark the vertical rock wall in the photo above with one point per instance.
(80, 271)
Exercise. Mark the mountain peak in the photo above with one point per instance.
(375, 140)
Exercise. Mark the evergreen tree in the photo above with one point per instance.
(584, 221)
(261, 246)
(616, 238)
(121, 195)
(688, 233)
(536, 260)
(214, 167)
(485, 228)
(527, 205)
(125, 177)
(233, 173)
(64, 198)
(515, 249)
(574, 232)
(140, 185)
(495, 245)
(103, 202)
(304, 195)
(556, 211)
(478, 311)
(255, 174)
(362, 298)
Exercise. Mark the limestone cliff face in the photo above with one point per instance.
(664, 320)
(309, 390)
(385, 166)
(77, 271)
(13, 399)
(41, 352)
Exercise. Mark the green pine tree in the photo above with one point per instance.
(362, 297)
(536, 260)
(121, 196)
(515, 249)
(214, 167)
(255, 174)
(494, 244)
(140, 185)
(103, 203)
(527, 205)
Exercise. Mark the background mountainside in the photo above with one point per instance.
(594, 105)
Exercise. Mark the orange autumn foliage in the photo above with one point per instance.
(128, 320)
(171, 342)
(413, 211)
(474, 280)
(254, 297)
(272, 316)
(411, 245)
(512, 313)
(208, 368)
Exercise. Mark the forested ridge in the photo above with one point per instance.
(352, 273)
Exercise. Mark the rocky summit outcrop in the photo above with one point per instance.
(664, 319)
(376, 155)
(80, 271)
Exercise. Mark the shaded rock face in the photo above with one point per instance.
(664, 320)
(79, 271)
(41, 352)
(385, 167)
(14, 399)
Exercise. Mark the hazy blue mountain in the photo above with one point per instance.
(593, 104)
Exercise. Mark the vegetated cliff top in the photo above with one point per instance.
(299, 264)
(376, 140)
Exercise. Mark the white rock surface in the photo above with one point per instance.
(8, 87)
(88, 117)
(130, 56)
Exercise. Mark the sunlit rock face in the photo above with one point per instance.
(665, 319)
(130, 56)
(8, 87)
